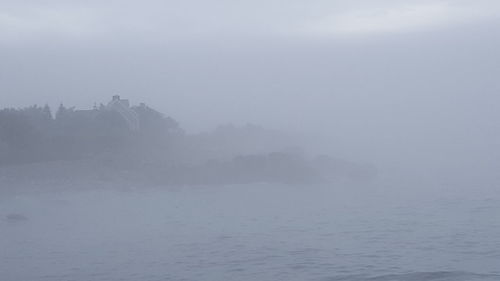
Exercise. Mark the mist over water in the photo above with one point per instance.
(250, 140)
(254, 232)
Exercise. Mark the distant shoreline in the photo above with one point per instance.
(128, 144)
(94, 174)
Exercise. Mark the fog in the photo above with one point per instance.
(424, 93)
(402, 97)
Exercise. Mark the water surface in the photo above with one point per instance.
(254, 232)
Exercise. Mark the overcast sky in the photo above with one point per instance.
(412, 78)
(163, 21)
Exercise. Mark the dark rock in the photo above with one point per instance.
(16, 217)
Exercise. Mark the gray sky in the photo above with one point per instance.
(163, 21)
(382, 80)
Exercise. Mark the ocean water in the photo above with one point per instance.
(363, 232)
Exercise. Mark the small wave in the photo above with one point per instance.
(421, 276)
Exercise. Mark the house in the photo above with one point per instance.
(122, 107)
(118, 105)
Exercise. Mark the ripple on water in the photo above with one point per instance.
(421, 276)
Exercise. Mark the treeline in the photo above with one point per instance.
(35, 134)
(119, 142)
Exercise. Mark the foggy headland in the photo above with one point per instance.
(121, 143)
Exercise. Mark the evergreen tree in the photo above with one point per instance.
(61, 112)
(47, 112)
